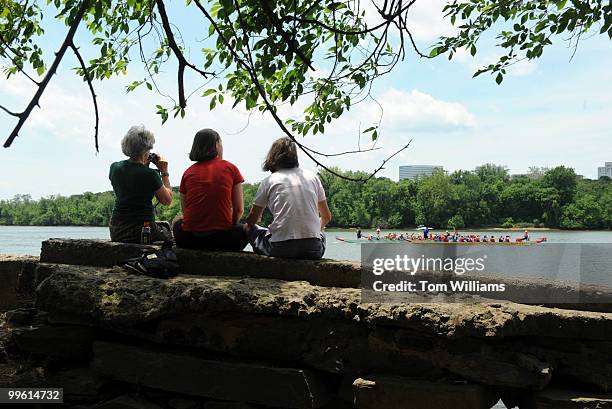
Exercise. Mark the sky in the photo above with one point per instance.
(547, 112)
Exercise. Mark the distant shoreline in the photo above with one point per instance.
(475, 229)
(411, 228)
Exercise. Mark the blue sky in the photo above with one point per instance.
(546, 112)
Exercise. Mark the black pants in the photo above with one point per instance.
(309, 248)
(128, 231)
(234, 239)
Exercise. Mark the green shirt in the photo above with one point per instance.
(135, 185)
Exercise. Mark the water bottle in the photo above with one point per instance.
(145, 234)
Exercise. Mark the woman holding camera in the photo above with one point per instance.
(211, 199)
(135, 185)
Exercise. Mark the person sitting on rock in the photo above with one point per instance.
(135, 185)
(211, 199)
(298, 205)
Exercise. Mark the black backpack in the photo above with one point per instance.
(160, 263)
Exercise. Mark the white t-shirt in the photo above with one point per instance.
(293, 197)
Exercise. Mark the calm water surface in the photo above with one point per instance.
(23, 240)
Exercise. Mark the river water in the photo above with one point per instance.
(21, 240)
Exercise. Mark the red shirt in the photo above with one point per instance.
(208, 188)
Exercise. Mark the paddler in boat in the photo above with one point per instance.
(358, 232)
(425, 232)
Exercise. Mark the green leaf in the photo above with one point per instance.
(499, 78)
(209, 92)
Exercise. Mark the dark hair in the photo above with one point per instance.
(204, 145)
(282, 155)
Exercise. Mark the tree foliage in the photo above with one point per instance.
(324, 55)
(261, 54)
(463, 198)
(526, 27)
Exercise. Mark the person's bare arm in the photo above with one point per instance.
(237, 203)
(325, 213)
(164, 193)
(254, 215)
(183, 199)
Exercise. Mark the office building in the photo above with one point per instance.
(605, 170)
(413, 172)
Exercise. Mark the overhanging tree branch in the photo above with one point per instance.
(182, 61)
(23, 116)
(91, 89)
(9, 112)
(387, 19)
(249, 67)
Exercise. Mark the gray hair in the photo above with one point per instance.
(137, 141)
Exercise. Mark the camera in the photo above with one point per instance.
(153, 157)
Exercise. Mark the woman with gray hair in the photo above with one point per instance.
(135, 184)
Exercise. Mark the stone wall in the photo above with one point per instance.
(17, 278)
(237, 330)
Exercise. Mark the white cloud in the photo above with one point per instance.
(522, 68)
(418, 111)
(64, 112)
(425, 21)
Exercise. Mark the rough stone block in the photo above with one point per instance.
(80, 384)
(329, 345)
(379, 392)
(491, 363)
(473, 341)
(228, 405)
(15, 291)
(127, 402)
(21, 316)
(223, 380)
(26, 283)
(573, 359)
(15, 374)
(71, 343)
(113, 297)
(9, 275)
(566, 399)
(180, 403)
(102, 253)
